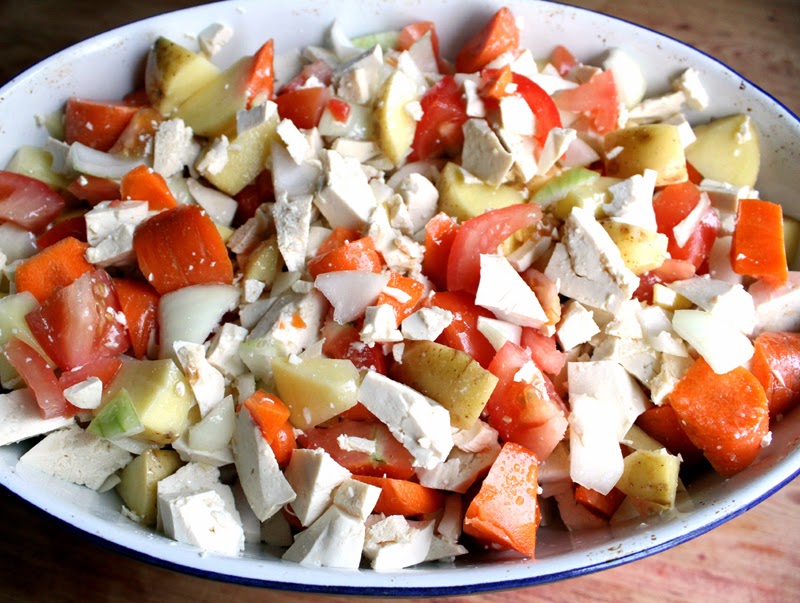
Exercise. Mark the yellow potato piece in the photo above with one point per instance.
(727, 150)
(630, 151)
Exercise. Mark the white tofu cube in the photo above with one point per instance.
(313, 475)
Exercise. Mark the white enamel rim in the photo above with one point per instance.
(108, 65)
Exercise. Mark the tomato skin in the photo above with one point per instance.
(40, 378)
(439, 132)
(304, 106)
(71, 227)
(391, 459)
(28, 202)
(318, 69)
(344, 342)
(103, 368)
(669, 272)
(596, 99)
(139, 302)
(543, 351)
(544, 108)
(440, 233)
(340, 110)
(463, 334)
(671, 206)
(78, 323)
(483, 234)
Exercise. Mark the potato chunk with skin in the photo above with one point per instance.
(394, 124)
(631, 151)
(464, 197)
(140, 478)
(641, 249)
(449, 376)
(651, 475)
(727, 150)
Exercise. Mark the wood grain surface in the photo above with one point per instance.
(755, 557)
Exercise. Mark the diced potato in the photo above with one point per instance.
(212, 109)
(139, 480)
(638, 439)
(727, 150)
(316, 389)
(36, 163)
(265, 263)
(641, 249)
(590, 196)
(395, 125)
(668, 299)
(174, 73)
(161, 395)
(248, 155)
(630, 151)
(651, 475)
(464, 197)
(449, 376)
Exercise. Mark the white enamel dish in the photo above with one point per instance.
(110, 65)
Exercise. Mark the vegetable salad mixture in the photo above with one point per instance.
(374, 306)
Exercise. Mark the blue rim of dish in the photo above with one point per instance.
(422, 591)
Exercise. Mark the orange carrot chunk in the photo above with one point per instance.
(726, 416)
(603, 505)
(354, 255)
(499, 35)
(662, 424)
(268, 412)
(283, 444)
(144, 184)
(181, 247)
(505, 510)
(776, 364)
(96, 124)
(401, 497)
(404, 296)
(52, 268)
(757, 248)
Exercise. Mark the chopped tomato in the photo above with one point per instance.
(543, 350)
(319, 69)
(444, 112)
(80, 322)
(139, 304)
(596, 99)
(672, 205)
(253, 196)
(74, 227)
(104, 369)
(563, 60)
(390, 458)
(304, 106)
(544, 109)
(440, 233)
(340, 110)
(463, 334)
(411, 33)
(483, 234)
(28, 202)
(40, 378)
(499, 35)
(93, 189)
(669, 272)
(531, 414)
(344, 342)
(261, 78)
(97, 124)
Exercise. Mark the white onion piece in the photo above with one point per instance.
(16, 243)
(191, 313)
(87, 160)
(630, 81)
(595, 456)
(291, 178)
(720, 344)
(350, 291)
(341, 43)
(498, 332)
(220, 207)
(426, 168)
(215, 430)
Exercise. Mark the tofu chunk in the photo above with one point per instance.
(313, 475)
(394, 543)
(336, 539)
(595, 456)
(293, 223)
(576, 326)
(20, 418)
(502, 290)
(484, 155)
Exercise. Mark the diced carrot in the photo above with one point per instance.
(138, 136)
(407, 287)
(495, 82)
(662, 424)
(181, 247)
(268, 412)
(499, 35)
(604, 505)
(96, 124)
(757, 248)
(402, 497)
(505, 510)
(261, 79)
(104, 369)
(355, 255)
(776, 364)
(94, 189)
(440, 233)
(139, 304)
(74, 227)
(144, 184)
(283, 444)
(726, 416)
(695, 177)
(562, 59)
(52, 268)
(340, 236)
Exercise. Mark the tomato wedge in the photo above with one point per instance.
(671, 207)
(483, 234)
(463, 334)
(28, 202)
(39, 377)
(541, 104)
(444, 112)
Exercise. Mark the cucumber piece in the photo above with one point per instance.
(117, 418)
(36, 163)
(557, 187)
(387, 40)
(590, 196)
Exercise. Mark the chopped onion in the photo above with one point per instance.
(722, 345)
(220, 207)
(97, 163)
(350, 292)
(16, 243)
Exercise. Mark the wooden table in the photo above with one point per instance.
(752, 558)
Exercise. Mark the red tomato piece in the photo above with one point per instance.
(669, 272)
(104, 369)
(562, 59)
(80, 322)
(544, 108)
(253, 196)
(139, 304)
(318, 69)
(344, 342)
(340, 110)
(304, 106)
(463, 334)
(671, 206)
(483, 234)
(597, 99)
(444, 112)
(74, 227)
(440, 233)
(40, 378)
(390, 459)
(28, 202)
(543, 350)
